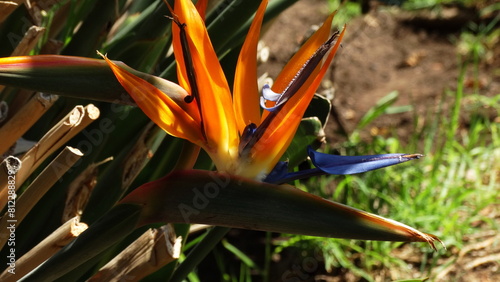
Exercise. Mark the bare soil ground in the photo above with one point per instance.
(414, 54)
(385, 50)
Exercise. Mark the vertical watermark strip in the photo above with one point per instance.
(11, 165)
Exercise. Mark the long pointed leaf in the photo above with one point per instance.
(76, 77)
(200, 196)
(197, 196)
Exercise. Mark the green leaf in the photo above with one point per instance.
(225, 20)
(378, 109)
(75, 77)
(310, 132)
(413, 280)
(116, 178)
(207, 197)
(319, 107)
(239, 254)
(274, 8)
(92, 31)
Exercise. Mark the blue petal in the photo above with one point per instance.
(340, 165)
(278, 173)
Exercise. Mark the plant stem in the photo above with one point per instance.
(267, 259)
(455, 112)
(199, 252)
(33, 193)
(45, 249)
(22, 120)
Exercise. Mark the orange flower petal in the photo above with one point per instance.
(158, 106)
(215, 96)
(300, 58)
(201, 6)
(245, 91)
(276, 139)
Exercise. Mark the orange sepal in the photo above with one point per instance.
(158, 106)
(300, 58)
(215, 96)
(201, 6)
(245, 91)
(278, 136)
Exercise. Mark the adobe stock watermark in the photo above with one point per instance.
(203, 195)
(13, 166)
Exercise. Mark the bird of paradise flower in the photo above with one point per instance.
(241, 139)
(231, 128)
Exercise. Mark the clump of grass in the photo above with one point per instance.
(443, 193)
(446, 193)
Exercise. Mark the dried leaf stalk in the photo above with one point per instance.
(45, 249)
(79, 191)
(151, 251)
(61, 133)
(29, 41)
(30, 38)
(9, 166)
(7, 7)
(33, 193)
(198, 227)
(15, 127)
